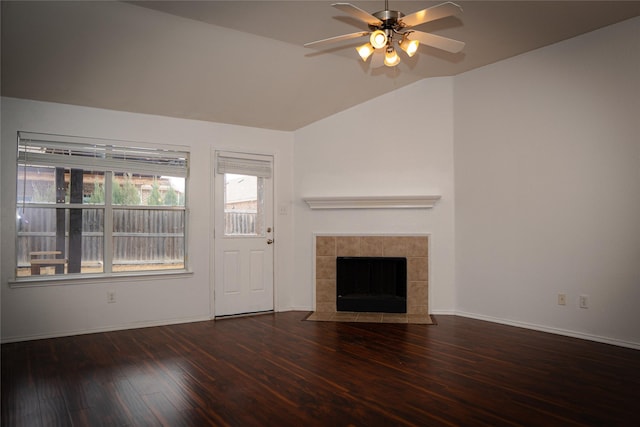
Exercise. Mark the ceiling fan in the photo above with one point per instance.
(387, 25)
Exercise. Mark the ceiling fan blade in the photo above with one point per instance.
(358, 13)
(444, 43)
(337, 39)
(430, 14)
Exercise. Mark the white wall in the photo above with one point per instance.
(397, 144)
(547, 171)
(82, 307)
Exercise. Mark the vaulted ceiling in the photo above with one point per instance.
(243, 62)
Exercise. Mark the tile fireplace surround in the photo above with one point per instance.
(414, 247)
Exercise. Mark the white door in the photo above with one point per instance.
(243, 267)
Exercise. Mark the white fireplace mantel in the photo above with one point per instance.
(372, 202)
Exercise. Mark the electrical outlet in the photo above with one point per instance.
(111, 297)
(562, 299)
(584, 301)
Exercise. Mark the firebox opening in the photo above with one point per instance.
(371, 284)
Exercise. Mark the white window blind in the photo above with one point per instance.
(244, 164)
(99, 155)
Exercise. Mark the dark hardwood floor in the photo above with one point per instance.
(278, 370)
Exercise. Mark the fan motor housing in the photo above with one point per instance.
(389, 19)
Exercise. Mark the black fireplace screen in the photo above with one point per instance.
(371, 284)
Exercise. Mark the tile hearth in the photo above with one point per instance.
(345, 316)
(414, 247)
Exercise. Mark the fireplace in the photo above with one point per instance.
(371, 284)
(414, 248)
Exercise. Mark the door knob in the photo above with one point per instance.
(269, 242)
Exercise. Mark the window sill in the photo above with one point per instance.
(78, 279)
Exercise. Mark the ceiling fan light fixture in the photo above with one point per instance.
(365, 51)
(378, 39)
(391, 58)
(388, 26)
(409, 46)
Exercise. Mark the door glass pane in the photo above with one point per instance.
(243, 205)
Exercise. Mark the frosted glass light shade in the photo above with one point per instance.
(365, 51)
(391, 58)
(409, 46)
(378, 39)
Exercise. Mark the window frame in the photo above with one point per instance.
(151, 160)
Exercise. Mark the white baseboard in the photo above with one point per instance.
(135, 325)
(443, 312)
(296, 308)
(557, 331)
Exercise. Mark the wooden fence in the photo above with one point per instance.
(239, 223)
(139, 236)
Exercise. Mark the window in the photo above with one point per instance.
(244, 175)
(87, 206)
